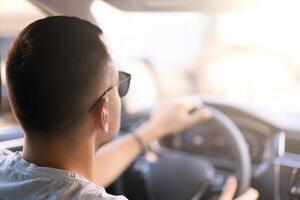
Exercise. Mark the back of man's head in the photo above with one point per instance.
(53, 67)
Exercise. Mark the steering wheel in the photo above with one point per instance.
(196, 172)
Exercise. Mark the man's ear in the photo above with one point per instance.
(102, 115)
(105, 115)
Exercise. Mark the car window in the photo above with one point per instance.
(14, 16)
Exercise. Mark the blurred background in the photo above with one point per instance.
(249, 56)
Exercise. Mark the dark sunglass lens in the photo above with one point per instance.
(124, 84)
(123, 89)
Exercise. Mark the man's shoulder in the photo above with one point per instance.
(19, 178)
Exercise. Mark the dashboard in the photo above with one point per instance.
(207, 140)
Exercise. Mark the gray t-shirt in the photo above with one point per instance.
(20, 179)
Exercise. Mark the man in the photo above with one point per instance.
(65, 90)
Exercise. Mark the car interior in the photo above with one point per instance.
(241, 56)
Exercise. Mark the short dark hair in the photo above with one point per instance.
(53, 66)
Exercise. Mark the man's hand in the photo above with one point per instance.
(230, 189)
(172, 116)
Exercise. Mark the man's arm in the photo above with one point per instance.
(113, 158)
(168, 117)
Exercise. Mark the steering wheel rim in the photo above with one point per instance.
(239, 145)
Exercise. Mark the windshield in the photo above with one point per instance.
(249, 57)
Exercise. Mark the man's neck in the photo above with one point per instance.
(77, 156)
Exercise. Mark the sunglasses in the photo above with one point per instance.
(123, 87)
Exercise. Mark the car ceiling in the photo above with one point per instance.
(81, 8)
(77, 8)
(183, 5)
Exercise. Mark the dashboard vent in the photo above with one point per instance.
(292, 146)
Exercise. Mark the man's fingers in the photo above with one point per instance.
(229, 189)
(250, 194)
(199, 116)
